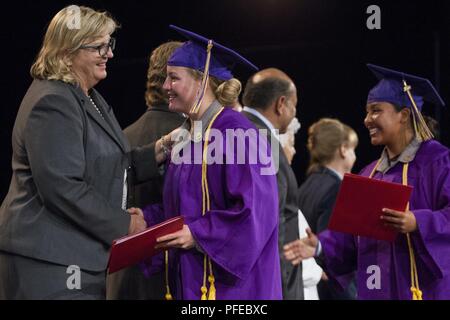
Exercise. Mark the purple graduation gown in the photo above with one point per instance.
(239, 233)
(429, 174)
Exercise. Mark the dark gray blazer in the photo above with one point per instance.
(292, 277)
(64, 201)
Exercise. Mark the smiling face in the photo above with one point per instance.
(89, 65)
(182, 88)
(384, 122)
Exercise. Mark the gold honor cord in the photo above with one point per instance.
(415, 290)
(421, 129)
(194, 109)
(168, 295)
(205, 79)
(206, 205)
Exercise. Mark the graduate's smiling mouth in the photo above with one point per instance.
(172, 97)
(373, 131)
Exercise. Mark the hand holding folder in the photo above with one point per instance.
(359, 204)
(130, 250)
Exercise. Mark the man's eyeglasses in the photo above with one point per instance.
(102, 48)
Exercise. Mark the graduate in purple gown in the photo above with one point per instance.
(417, 264)
(228, 247)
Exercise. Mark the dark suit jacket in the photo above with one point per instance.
(316, 197)
(64, 201)
(130, 283)
(292, 278)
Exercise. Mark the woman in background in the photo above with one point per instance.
(331, 145)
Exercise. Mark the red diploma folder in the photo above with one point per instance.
(129, 250)
(359, 205)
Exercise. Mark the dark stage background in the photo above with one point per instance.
(323, 44)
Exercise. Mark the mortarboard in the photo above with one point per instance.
(193, 54)
(405, 90)
(207, 56)
(390, 88)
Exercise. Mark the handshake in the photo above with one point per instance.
(137, 222)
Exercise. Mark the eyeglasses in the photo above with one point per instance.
(102, 48)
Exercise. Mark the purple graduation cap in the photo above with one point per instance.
(194, 54)
(391, 86)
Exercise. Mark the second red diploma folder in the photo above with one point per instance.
(359, 205)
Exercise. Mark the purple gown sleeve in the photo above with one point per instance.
(153, 214)
(339, 255)
(432, 239)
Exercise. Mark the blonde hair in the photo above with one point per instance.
(64, 37)
(157, 72)
(226, 92)
(325, 137)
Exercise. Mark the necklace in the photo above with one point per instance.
(96, 108)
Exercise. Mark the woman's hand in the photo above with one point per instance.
(163, 146)
(162, 152)
(137, 222)
(301, 249)
(403, 222)
(181, 239)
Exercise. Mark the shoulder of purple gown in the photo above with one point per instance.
(368, 169)
(230, 119)
(431, 151)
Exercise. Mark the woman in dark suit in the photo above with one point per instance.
(71, 169)
(331, 145)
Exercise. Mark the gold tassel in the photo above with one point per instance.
(212, 288)
(423, 133)
(205, 79)
(168, 296)
(204, 291)
(417, 293)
